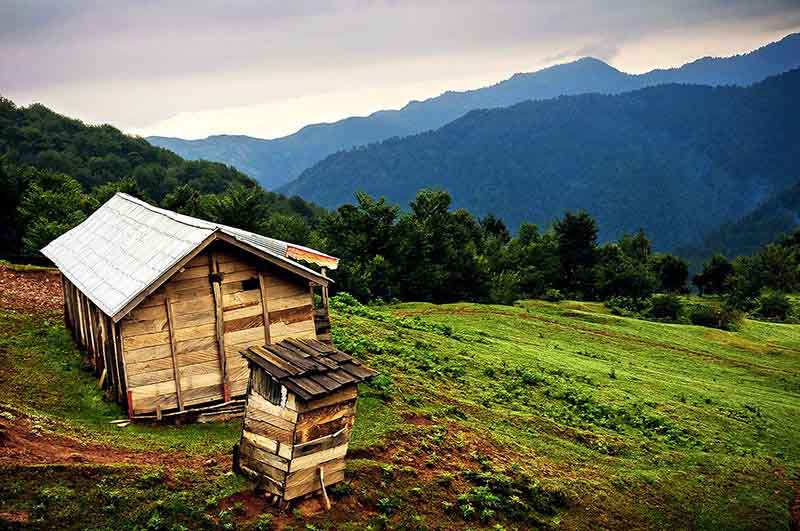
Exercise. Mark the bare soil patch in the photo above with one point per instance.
(30, 291)
(22, 444)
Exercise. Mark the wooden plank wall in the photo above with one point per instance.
(95, 333)
(286, 445)
(152, 335)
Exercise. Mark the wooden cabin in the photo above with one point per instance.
(300, 410)
(163, 303)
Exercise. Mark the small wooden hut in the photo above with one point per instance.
(300, 410)
(163, 303)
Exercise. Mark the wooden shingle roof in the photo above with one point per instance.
(308, 368)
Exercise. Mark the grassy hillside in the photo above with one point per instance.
(541, 415)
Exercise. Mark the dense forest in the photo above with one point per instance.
(275, 162)
(717, 153)
(780, 214)
(54, 171)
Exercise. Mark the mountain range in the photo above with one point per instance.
(278, 161)
(676, 160)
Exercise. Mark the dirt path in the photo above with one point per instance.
(21, 444)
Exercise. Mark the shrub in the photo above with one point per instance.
(263, 523)
(553, 295)
(382, 386)
(725, 318)
(703, 315)
(667, 307)
(774, 305)
(625, 305)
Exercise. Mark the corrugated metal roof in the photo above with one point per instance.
(127, 244)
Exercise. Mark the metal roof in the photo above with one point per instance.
(308, 368)
(126, 245)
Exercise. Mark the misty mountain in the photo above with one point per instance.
(275, 162)
(676, 160)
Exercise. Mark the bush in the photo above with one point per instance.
(775, 306)
(725, 318)
(667, 307)
(626, 305)
(553, 295)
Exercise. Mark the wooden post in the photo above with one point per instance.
(220, 324)
(66, 304)
(123, 368)
(325, 498)
(130, 404)
(262, 284)
(173, 349)
(324, 290)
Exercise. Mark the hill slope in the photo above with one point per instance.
(780, 214)
(275, 162)
(485, 417)
(36, 137)
(717, 153)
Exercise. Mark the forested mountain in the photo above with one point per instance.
(55, 170)
(676, 160)
(275, 162)
(780, 214)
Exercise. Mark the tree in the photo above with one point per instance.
(494, 228)
(185, 200)
(52, 204)
(636, 246)
(106, 191)
(440, 251)
(365, 237)
(671, 271)
(576, 235)
(715, 276)
(619, 275)
(11, 188)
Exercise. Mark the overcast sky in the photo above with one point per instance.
(263, 68)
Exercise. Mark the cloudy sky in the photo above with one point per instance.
(194, 68)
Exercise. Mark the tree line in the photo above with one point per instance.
(432, 253)
(54, 172)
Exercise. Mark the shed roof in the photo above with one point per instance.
(308, 368)
(127, 245)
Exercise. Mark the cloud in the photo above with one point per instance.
(140, 62)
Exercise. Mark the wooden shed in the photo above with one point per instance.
(163, 303)
(300, 410)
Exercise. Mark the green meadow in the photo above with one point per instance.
(533, 416)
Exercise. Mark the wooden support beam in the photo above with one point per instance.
(120, 353)
(173, 349)
(262, 284)
(215, 282)
(325, 290)
(325, 498)
(130, 404)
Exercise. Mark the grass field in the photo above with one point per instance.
(541, 415)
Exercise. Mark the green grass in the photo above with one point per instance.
(540, 415)
(43, 377)
(670, 425)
